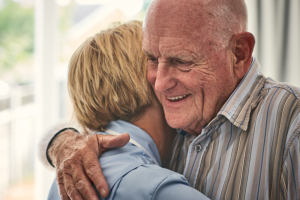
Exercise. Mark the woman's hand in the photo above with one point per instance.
(75, 158)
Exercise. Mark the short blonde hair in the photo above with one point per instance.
(107, 77)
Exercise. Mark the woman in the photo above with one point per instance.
(108, 87)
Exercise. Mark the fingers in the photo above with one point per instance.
(78, 166)
(91, 163)
(84, 185)
(67, 190)
(60, 182)
(74, 183)
(66, 183)
(113, 141)
(71, 190)
(94, 172)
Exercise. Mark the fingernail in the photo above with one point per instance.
(103, 193)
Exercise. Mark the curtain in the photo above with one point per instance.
(276, 27)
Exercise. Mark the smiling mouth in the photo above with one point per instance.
(177, 98)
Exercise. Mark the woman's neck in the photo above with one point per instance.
(154, 123)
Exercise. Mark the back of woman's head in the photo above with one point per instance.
(107, 77)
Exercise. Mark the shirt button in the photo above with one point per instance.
(198, 147)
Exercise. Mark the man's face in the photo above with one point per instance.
(191, 78)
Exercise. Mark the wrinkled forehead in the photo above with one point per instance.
(177, 16)
(176, 19)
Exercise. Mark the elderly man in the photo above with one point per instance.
(239, 133)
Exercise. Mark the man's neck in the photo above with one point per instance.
(153, 122)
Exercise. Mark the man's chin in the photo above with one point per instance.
(176, 122)
(184, 123)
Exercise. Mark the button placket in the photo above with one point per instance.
(198, 147)
(194, 156)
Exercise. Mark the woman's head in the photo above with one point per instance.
(107, 77)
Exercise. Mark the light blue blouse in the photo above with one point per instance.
(132, 173)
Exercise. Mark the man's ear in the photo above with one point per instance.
(242, 45)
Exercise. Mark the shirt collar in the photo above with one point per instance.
(238, 107)
(138, 135)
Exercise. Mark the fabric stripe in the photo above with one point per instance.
(251, 149)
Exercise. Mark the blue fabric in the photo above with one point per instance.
(132, 174)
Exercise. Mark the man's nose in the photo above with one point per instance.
(164, 78)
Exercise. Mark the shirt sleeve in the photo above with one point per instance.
(54, 192)
(151, 182)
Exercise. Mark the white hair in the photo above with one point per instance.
(227, 17)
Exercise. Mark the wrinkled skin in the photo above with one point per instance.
(185, 62)
(75, 157)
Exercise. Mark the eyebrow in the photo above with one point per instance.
(180, 57)
(172, 56)
(147, 53)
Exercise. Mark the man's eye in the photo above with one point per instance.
(181, 62)
(152, 63)
(184, 66)
(152, 59)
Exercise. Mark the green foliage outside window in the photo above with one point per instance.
(16, 34)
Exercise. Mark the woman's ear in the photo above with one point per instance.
(242, 45)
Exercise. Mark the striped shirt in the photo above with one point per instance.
(251, 149)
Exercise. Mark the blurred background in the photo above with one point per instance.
(37, 39)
